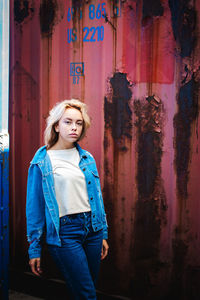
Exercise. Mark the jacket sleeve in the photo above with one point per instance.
(105, 224)
(35, 211)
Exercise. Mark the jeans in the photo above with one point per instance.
(79, 256)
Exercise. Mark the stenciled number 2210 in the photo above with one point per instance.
(92, 34)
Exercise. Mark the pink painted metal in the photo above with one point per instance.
(136, 65)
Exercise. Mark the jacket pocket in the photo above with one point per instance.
(96, 179)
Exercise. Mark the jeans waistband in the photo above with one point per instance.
(80, 215)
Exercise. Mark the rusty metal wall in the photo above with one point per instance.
(136, 64)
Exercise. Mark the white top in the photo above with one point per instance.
(69, 180)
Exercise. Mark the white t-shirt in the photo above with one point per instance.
(70, 185)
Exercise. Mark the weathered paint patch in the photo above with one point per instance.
(117, 112)
(151, 205)
(51, 13)
(152, 8)
(184, 23)
(117, 140)
(23, 10)
(183, 120)
(77, 5)
(177, 286)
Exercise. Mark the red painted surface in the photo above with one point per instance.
(141, 83)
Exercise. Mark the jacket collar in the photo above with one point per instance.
(42, 152)
(82, 153)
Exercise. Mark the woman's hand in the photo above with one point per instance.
(104, 251)
(35, 266)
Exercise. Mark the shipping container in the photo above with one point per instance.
(136, 64)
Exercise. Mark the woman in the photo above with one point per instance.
(64, 200)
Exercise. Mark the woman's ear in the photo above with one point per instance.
(56, 127)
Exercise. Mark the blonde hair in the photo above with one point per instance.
(55, 114)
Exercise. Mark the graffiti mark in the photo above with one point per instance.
(184, 24)
(117, 112)
(23, 10)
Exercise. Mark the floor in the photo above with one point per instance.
(26, 286)
(13, 295)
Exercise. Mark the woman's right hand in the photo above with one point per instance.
(35, 266)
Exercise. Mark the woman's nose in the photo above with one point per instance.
(74, 126)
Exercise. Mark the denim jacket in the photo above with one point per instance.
(42, 214)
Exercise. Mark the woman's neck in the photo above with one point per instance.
(62, 146)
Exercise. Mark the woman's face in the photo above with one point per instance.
(69, 127)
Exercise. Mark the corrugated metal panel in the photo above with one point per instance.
(4, 223)
(4, 149)
(4, 64)
(136, 64)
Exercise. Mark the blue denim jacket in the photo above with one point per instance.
(42, 214)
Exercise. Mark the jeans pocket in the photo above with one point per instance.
(65, 220)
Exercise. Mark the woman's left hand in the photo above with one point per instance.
(104, 251)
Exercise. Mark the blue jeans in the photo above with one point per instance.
(79, 256)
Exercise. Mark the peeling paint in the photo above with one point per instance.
(152, 8)
(184, 23)
(77, 5)
(117, 112)
(149, 148)
(51, 12)
(23, 10)
(183, 120)
(150, 211)
(177, 287)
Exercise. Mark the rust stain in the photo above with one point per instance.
(150, 211)
(184, 24)
(177, 288)
(117, 112)
(184, 28)
(23, 10)
(51, 13)
(117, 140)
(183, 120)
(77, 5)
(118, 126)
(184, 21)
(151, 8)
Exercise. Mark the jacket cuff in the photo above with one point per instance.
(105, 235)
(34, 254)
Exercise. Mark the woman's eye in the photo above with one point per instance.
(67, 122)
(79, 124)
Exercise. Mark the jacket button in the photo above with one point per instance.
(89, 182)
(83, 169)
(93, 216)
(95, 228)
(91, 198)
